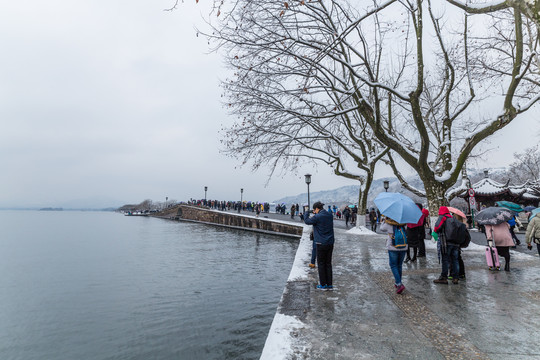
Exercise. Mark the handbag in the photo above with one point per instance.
(428, 233)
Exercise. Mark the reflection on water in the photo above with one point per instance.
(94, 285)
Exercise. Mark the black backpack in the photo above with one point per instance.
(451, 231)
(465, 236)
(456, 233)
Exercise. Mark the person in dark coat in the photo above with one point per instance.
(347, 215)
(415, 233)
(449, 247)
(373, 219)
(323, 234)
(422, 237)
(512, 223)
(460, 258)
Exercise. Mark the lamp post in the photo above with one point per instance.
(386, 185)
(472, 200)
(205, 189)
(166, 198)
(241, 200)
(308, 181)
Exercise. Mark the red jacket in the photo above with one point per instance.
(425, 214)
(444, 214)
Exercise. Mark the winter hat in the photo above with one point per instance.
(443, 210)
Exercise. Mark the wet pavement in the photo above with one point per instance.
(491, 315)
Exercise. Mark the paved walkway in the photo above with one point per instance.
(491, 315)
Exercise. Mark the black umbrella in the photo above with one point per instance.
(494, 216)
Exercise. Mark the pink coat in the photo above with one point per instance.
(501, 233)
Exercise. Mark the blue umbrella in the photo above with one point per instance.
(510, 206)
(529, 208)
(398, 207)
(533, 213)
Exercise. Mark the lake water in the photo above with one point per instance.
(100, 285)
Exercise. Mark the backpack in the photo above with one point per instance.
(399, 238)
(465, 235)
(452, 231)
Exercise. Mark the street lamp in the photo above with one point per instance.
(166, 198)
(308, 181)
(241, 200)
(205, 189)
(471, 199)
(386, 185)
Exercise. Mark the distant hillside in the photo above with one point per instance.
(349, 194)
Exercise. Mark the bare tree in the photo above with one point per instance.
(325, 79)
(293, 106)
(526, 166)
(529, 8)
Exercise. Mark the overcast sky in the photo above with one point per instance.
(104, 103)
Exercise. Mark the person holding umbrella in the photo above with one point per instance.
(395, 255)
(501, 237)
(497, 230)
(398, 210)
(515, 208)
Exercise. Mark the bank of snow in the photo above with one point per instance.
(361, 230)
(280, 341)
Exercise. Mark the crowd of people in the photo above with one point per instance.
(348, 213)
(450, 231)
(233, 205)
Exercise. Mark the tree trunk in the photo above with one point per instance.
(435, 196)
(363, 197)
(362, 201)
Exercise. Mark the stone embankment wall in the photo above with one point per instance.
(203, 215)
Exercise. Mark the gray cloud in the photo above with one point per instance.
(104, 103)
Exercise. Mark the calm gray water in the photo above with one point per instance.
(98, 285)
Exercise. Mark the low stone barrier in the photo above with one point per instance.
(239, 221)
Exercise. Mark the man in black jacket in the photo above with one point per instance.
(323, 232)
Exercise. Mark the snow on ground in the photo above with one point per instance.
(299, 269)
(279, 342)
(361, 230)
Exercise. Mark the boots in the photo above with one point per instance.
(507, 266)
(415, 251)
(441, 280)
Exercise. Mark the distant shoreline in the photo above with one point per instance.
(57, 209)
